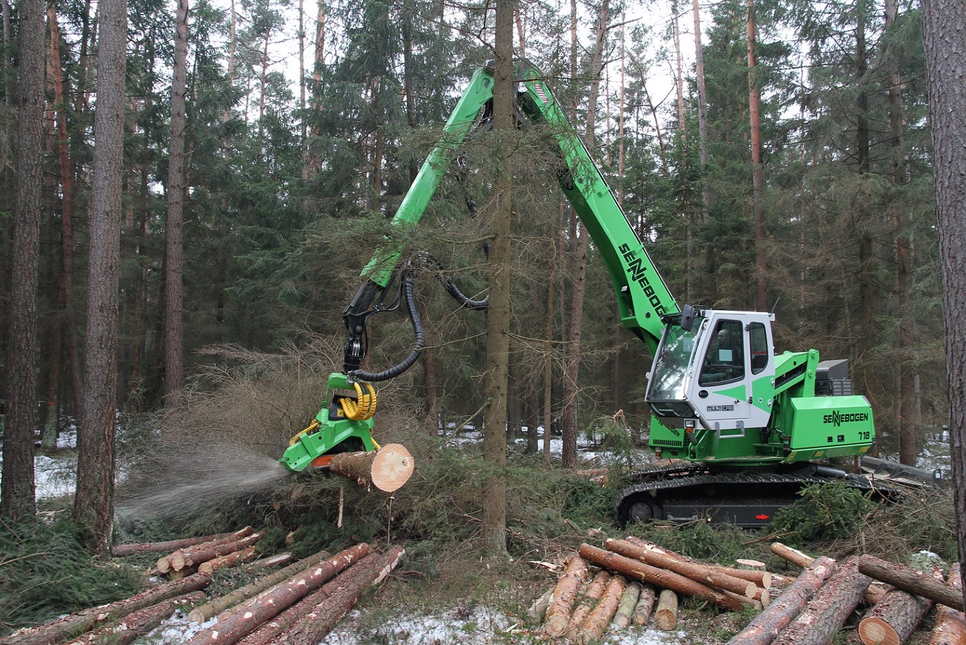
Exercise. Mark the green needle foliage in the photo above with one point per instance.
(824, 512)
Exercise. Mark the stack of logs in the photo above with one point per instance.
(298, 604)
(628, 578)
(610, 588)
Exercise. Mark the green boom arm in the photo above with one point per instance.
(642, 294)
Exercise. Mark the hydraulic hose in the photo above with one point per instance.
(409, 298)
(461, 298)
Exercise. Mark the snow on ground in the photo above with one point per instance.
(935, 455)
(176, 629)
(54, 477)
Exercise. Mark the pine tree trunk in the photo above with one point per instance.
(702, 109)
(388, 468)
(588, 600)
(666, 614)
(599, 619)
(950, 625)
(757, 171)
(564, 594)
(121, 550)
(893, 619)
(138, 623)
(548, 328)
(498, 312)
(174, 223)
(571, 388)
(18, 462)
(911, 581)
(645, 604)
(626, 606)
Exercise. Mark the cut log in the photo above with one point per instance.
(218, 605)
(272, 561)
(645, 604)
(388, 468)
(828, 608)
(876, 592)
(598, 620)
(163, 564)
(693, 570)
(82, 621)
(538, 609)
(750, 564)
(238, 622)
(895, 617)
(230, 560)
(594, 593)
(625, 609)
(761, 578)
(195, 555)
(912, 581)
(786, 607)
(564, 594)
(666, 615)
(341, 596)
(638, 570)
(121, 550)
(950, 625)
(138, 623)
(792, 555)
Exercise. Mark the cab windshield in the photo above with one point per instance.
(669, 374)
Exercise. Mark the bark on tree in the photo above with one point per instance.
(121, 550)
(701, 573)
(910, 580)
(174, 222)
(763, 579)
(598, 620)
(757, 171)
(388, 468)
(138, 623)
(232, 559)
(628, 602)
(702, 108)
(944, 38)
(645, 604)
(576, 315)
(17, 502)
(341, 594)
(82, 621)
(660, 577)
(950, 625)
(220, 604)
(564, 595)
(236, 623)
(783, 610)
(548, 328)
(593, 593)
(93, 501)
(498, 312)
(828, 608)
(666, 615)
(195, 556)
(893, 619)
(164, 563)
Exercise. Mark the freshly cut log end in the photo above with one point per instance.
(666, 616)
(895, 617)
(876, 631)
(388, 468)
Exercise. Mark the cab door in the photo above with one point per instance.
(722, 387)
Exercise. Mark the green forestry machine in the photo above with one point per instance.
(741, 424)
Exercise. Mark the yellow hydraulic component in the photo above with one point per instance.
(363, 407)
(312, 426)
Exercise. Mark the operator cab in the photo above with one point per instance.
(714, 370)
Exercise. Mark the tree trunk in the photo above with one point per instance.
(164, 563)
(571, 375)
(783, 610)
(174, 223)
(121, 550)
(238, 622)
(944, 35)
(700, 572)
(660, 577)
(388, 468)
(17, 502)
(828, 609)
(757, 171)
(93, 501)
(628, 602)
(498, 313)
(762, 579)
(228, 560)
(893, 619)
(589, 598)
(598, 620)
(548, 328)
(194, 556)
(642, 612)
(218, 605)
(950, 625)
(564, 595)
(702, 110)
(340, 595)
(910, 580)
(666, 616)
(138, 623)
(82, 621)
(792, 555)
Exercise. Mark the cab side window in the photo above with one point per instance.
(758, 339)
(724, 361)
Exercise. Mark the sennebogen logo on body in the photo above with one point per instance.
(838, 418)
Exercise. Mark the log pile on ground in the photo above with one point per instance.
(632, 581)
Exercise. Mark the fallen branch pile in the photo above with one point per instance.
(622, 583)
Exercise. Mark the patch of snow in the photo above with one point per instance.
(477, 627)
(176, 629)
(67, 437)
(57, 476)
